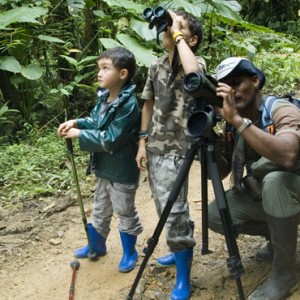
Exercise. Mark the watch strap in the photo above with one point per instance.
(247, 122)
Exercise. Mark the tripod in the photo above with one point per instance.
(208, 167)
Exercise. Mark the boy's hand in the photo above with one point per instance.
(141, 158)
(65, 127)
(176, 25)
(73, 133)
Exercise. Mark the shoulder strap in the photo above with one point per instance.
(267, 114)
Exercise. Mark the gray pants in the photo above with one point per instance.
(280, 199)
(111, 197)
(163, 171)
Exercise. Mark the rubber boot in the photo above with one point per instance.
(283, 280)
(97, 243)
(130, 255)
(167, 260)
(265, 253)
(182, 288)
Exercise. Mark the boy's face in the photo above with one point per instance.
(168, 42)
(109, 77)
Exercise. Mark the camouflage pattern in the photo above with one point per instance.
(167, 130)
(179, 227)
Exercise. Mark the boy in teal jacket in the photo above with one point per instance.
(111, 134)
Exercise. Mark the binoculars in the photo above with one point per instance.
(158, 17)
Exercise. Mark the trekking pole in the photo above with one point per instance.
(92, 255)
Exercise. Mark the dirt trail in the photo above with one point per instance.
(36, 247)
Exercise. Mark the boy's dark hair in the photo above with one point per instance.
(121, 58)
(195, 27)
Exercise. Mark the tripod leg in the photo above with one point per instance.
(152, 242)
(204, 201)
(233, 262)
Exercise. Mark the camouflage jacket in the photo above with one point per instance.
(167, 130)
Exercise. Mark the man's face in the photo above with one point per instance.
(246, 88)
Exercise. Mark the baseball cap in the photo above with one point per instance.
(238, 65)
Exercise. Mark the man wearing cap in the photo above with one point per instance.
(266, 201)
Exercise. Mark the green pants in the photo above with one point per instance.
(280, 199)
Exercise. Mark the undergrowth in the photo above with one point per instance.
(37, 166)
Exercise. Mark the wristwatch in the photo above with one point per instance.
(247, 123)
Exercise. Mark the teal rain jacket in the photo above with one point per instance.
(113, 138)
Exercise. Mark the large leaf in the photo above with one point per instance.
(75, 6)
(143, 55)
(142, 29)
(50, 39)
(32, 71)
(109, 43)
(255, 27)
(9, 63)
(126, 4)
(21, 15)
(192, 8)
(228, 9)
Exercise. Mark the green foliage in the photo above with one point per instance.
(48, 52)
(36, 167)
(282, 72)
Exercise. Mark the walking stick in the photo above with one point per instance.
(92, 255)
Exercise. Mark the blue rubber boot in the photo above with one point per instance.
(182, 288)
(130, 255)
(167, 260)
(97, 243)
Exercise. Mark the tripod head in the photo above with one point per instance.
(202, 120)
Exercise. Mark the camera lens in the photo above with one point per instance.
(192, 82)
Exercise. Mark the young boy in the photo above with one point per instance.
(111, 133)
(163, 127)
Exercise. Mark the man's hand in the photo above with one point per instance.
(229, 111)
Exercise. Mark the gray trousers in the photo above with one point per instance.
(163, 170)
(111, 197)
(280, 199)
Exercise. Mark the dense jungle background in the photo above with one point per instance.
(48, 52)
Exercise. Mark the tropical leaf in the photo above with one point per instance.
(109, 43)
(144, 56)
(21, 15)
(75, 6)
(32, 71)
(192, 8)
(228, 9)
(128, 5)
(50, 39)
(10, 64)
(142, 29)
